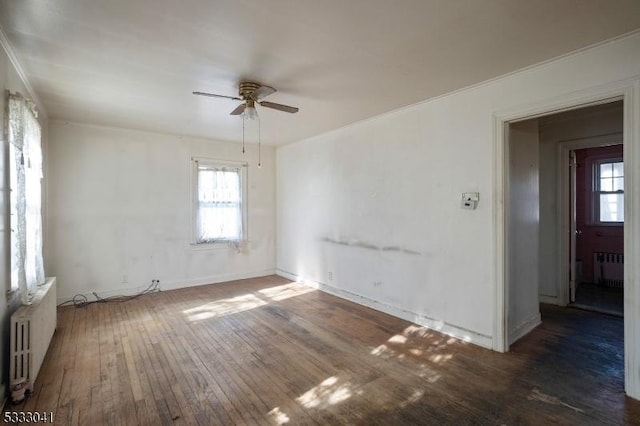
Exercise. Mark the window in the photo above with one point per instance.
(14, 161)
(25, 180)
(219, 205)
(609, 189)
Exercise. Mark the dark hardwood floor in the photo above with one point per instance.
(600, 299)
(271, 351)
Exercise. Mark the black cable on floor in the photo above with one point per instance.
(81, 301)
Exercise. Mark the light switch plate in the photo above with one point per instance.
(470, 200)
(471, 196)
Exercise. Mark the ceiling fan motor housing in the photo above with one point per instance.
(247, 88)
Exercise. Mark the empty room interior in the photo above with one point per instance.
(362, 212)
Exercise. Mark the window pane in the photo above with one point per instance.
(618, 169)
(219, 222)
(606, 184)
(216, 185)
(219, 205)
(612, 207)
(618, 184)
(606, 170)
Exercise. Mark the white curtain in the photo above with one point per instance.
(219, 204)
(27, 269)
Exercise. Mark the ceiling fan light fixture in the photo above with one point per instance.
(250, 112)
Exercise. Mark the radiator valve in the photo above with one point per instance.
(18, 392)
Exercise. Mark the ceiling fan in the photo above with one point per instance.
(251, 93)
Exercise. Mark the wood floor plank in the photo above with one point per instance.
(270, 351)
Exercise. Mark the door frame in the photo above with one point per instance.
(629, 92)
(563, 203)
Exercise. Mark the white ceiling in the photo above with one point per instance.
(134, 63)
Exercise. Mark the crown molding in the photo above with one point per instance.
(17, 65)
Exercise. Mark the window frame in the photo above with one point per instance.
(213, 162)
(24, 159)
(12, 285)
(597, 192)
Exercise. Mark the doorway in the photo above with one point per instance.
(629, 94)
(574, 239)
(561, 168)
(553, 277)
(597, 229)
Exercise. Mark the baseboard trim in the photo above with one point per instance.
(550, 300)
(525, 328)
(175, 285)
(217, 279)
(422, 320)
(596, 309)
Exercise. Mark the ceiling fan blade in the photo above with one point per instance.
(262, 92)
(239, 109)
(279, 107)
(212, 95)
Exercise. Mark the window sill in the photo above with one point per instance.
(606, 224)
(221, 245)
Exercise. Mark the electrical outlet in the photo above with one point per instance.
(330, 275)
(377, 283)
(125, 279)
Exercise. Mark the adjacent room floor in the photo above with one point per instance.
(271, 351)
(607, 300)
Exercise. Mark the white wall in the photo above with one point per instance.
(523, 229)
(396, 181)
(119, 204)
(574, 125)
(9, 80)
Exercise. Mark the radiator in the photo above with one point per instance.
(32, 327)
(608, 269)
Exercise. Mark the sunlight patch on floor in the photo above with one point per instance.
(413, 398)
(278, 416)
(439, 358)
(422, 344)
(397, 339)
(327, 393)
(383, 351)
(285, 291)
(537, 395)
(224, 307)
(237, 304)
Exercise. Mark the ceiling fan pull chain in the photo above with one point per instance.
(259, 141)
(243, 135)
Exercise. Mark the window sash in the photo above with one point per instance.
(218, 201)
(611, 207)
(609, 191)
